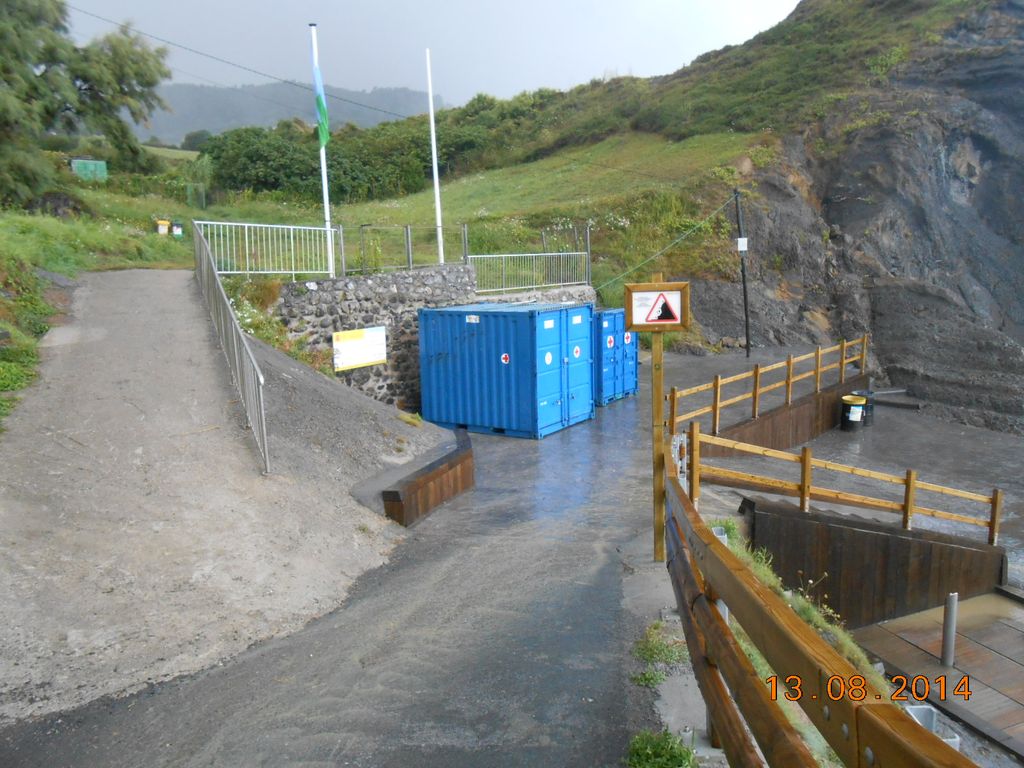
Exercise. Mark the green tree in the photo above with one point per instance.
(196, 140)
(48, 83)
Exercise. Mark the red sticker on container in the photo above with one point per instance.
(611, 342)
(628, 337)
(505, 359)
(576, 352)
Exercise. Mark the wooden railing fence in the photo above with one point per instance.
(758, 387)
(699, 472)
(859, 722)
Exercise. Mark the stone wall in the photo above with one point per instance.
(315, 310)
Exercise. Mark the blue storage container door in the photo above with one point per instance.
(548, 335)
(476, 369)
(579, 382)
(615, 358)
(630, 348)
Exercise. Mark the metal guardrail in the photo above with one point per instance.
(497, 273)
(272, 249)
(245, 372)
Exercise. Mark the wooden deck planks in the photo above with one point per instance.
(990, 650)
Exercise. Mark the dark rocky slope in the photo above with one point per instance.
(900, 214)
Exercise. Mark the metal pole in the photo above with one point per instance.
(323, 156)
(588, 253)
(433, 154)
(949, 629)
(742, 248)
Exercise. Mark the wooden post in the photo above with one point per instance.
(805, 480)
(993, 521)
(673, 409)
(789, 380)
(842, 361)
(817, 369)
(715, 407)
(864, 353)
(908, 498)
(694, 463)
(658, 441)
(756, 397)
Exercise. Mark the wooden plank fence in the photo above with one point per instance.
(699, 472)
(758, 387)
(859, 722)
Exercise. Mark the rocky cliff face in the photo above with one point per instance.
(900, 214)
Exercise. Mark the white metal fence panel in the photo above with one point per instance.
(271, 249)
(496, 273)
(245, 372)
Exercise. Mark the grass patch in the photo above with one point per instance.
(14, 376)
(412, 419)
(657, 647)
(172, 153)
(253, 299)
(23, 319)
(820, 618)
(649, 678)
(659, 750)
(659, 652)
(84, 244)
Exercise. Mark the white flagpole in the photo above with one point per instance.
(323, 169)
(433, 154)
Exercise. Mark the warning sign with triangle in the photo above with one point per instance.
(657, 307)
(662, 311)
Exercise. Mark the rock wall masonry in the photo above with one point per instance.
(313, 311)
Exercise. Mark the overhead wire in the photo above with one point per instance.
(310, 89)
(242, 67)
(675, 242)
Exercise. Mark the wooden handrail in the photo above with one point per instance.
(758, 388)
(807, 491)
(758, 450)
(715, 655)
(860, 730)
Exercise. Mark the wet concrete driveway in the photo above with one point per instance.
(495, 636)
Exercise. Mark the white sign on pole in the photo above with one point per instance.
(741, 244)
(360, 348)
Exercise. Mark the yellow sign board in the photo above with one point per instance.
(360, 348)
(657, 306)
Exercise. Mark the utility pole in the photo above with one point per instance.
(741, 246)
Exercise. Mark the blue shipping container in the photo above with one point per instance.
(516, 369)
(615, 357)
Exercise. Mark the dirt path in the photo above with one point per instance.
(138, 540)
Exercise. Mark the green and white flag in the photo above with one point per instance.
(322, 125)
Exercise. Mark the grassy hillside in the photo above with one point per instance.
(777, 80)
(578, 181)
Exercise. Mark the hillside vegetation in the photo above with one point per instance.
(637, 161)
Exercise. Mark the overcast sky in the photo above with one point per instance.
(477, 46)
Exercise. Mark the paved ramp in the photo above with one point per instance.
(137, 537)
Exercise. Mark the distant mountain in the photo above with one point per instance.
(217, 109)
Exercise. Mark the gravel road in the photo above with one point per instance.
(138, 539)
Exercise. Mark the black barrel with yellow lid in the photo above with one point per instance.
(852, 417)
